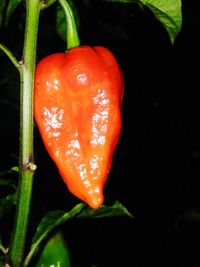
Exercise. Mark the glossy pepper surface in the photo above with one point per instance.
(77, 107)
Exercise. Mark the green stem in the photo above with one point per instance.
(72, 33)
(10, 55)
(26, 163)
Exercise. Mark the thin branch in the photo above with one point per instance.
(11, 56)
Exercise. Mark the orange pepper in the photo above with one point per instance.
(77, 107)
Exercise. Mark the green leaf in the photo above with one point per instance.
(117, 209)
(168, 12)
(7, 182)
(7, 203)
(2, 9)
(55, 253)
(6, 177)
(10, 171)
(55, 218)
(61, 23)
(15, 169)
(2, 264)
(3, 251)
(189, 217)
(12, 4)
(49, 223)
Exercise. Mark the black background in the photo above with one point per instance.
(155, 171)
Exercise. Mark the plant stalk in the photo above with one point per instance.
(72, 33)
(26, 163)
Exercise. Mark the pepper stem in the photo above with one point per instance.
(72, 33)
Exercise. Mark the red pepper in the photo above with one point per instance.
(77, 104)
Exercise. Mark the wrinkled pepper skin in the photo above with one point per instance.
(77, 107)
